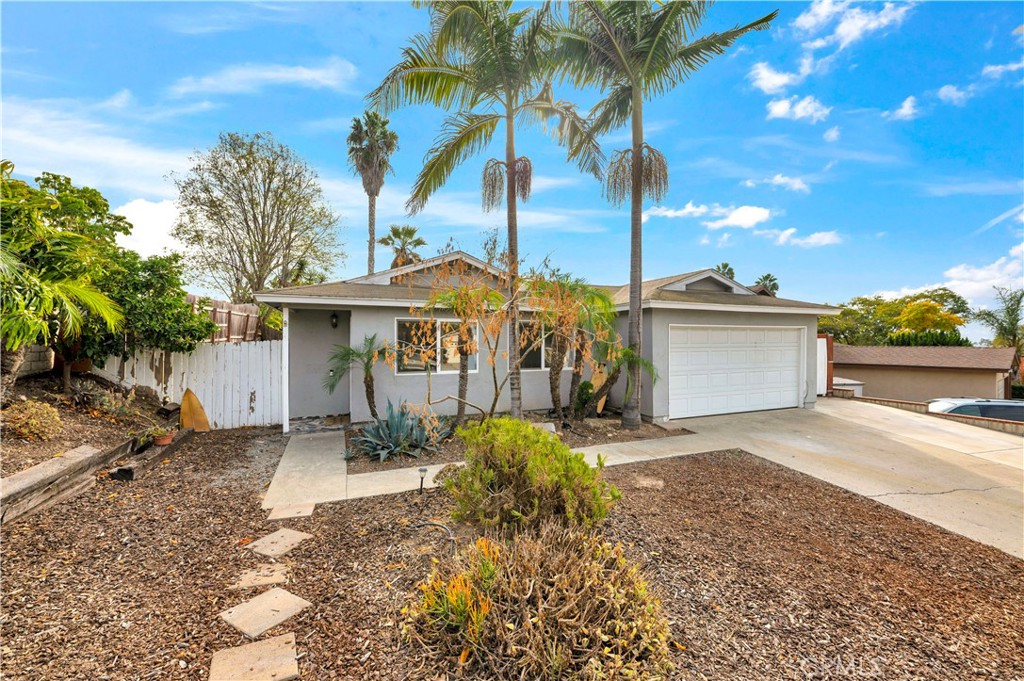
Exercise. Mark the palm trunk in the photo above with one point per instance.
(631, 410)
(603, 391)
(460, 411)
(577, 371)
(66, 376)
(371, 400)
(515, 386)
(555, 379)
(372, 225)
(10, 364)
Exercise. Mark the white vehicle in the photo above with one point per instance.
(1008, 410)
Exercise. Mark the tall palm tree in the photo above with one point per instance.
(403, 242)
(363, 356)
(370, 146)
(490, 65)
(634, 51)
(769, 282)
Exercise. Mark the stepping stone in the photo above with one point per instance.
(279, 543)
(547, 427)
(291, 511)
(262, 575)
(267, 610)
(270, 660)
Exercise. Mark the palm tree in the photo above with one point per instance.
(1006, 322)
(45, 285)
(489, 64)
(634, 51)
(769, 282)
(370, 145)
(725, 269)
(402, 240)
(345, 357)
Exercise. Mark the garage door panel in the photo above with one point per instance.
(722, 370)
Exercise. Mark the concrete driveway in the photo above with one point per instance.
(966, 479)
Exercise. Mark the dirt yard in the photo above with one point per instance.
(80, 425)
(764, 573)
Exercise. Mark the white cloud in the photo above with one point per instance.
(996, 71)
(152, 222)
(795, 109)
(856, 23)
(724, 240)
(832, 134)
(334, 73)
(690, 210)
(976, 282)
(771, 82)
(819, 15)
(705, 240)
(788, 237)
(908, 110)
(1017, 212)
(793, 184)
(951, 94)
(960, 187)
(744, 217)
(542, 183)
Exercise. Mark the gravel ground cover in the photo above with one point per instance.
(764, 573)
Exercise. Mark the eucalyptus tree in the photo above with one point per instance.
(634, 51)
(489, 65)
(370, 146)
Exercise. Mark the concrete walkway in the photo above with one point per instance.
(966, 479)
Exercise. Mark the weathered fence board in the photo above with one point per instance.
(238, 383)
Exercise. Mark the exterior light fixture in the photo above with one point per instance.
(334, 320)
(423, 474)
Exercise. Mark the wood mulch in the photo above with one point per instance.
(80, 426)
(585, 433)
(764, 573)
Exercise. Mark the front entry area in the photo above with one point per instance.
(728, 369)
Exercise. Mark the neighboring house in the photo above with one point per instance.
(718, 347)
(918, 374)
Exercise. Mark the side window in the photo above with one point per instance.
(1003, 411)
(452, 342)
(531, 345)
(417, 346)
(967, 410)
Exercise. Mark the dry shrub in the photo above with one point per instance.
(519, 475)
(31, 420)
(558, 604)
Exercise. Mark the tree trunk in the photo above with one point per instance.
(66, 375)
(10, 364)
(577, 371)
(372, 226)
(371, 400)
(555, 379)
(631, 409)
(460, 411)
(603, 391)
(515, 386)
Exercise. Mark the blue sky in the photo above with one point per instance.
(855, 148)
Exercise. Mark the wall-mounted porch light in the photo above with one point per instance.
(334, 320)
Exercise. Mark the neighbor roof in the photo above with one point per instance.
(980, 359)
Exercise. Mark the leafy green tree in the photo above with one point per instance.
(769, 282)
(364, 356)
(1007, 321)
(403, 241)
(725, 269)
(634, 51)
(251, 210)
(868, 320)
(370, 146)
(49, 262)
(929, 338)
(490, 64)
(927, 315)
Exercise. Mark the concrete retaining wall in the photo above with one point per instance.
(1012, 427)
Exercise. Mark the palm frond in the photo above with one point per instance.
(425, 76)
(571, 130)
(492, 185)
(344, 357)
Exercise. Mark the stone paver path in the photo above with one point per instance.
(270, 660)
(263, 574)
(312, 470)
(265, 611)
(279, 543)
(289, 511)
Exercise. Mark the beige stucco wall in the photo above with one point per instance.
(919, 385)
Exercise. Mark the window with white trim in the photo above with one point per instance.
(433, 345)
(536, 348)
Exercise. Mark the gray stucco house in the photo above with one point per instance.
(718, 346)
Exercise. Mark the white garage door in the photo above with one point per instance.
(726, 369)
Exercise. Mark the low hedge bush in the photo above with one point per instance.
(518, 475)
(559, 604)
(31, 420)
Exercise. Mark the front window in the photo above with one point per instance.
(435, 346)
(536, 346)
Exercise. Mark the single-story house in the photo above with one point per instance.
(918, 374)
(718, 347)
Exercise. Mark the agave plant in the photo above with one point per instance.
(403, 431)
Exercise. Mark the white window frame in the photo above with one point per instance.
(543, 352)
(437, 346)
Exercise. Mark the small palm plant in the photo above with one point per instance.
(364, 356)
(403, 242)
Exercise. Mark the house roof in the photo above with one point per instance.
(385, 276)
(982, 359)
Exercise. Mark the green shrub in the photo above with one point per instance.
(559, 604)
(31, 420)
(519, 475)
(403, 431)
(583, 395)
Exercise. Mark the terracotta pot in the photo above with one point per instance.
(163, 440)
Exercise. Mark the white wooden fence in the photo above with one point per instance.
(239, 384)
